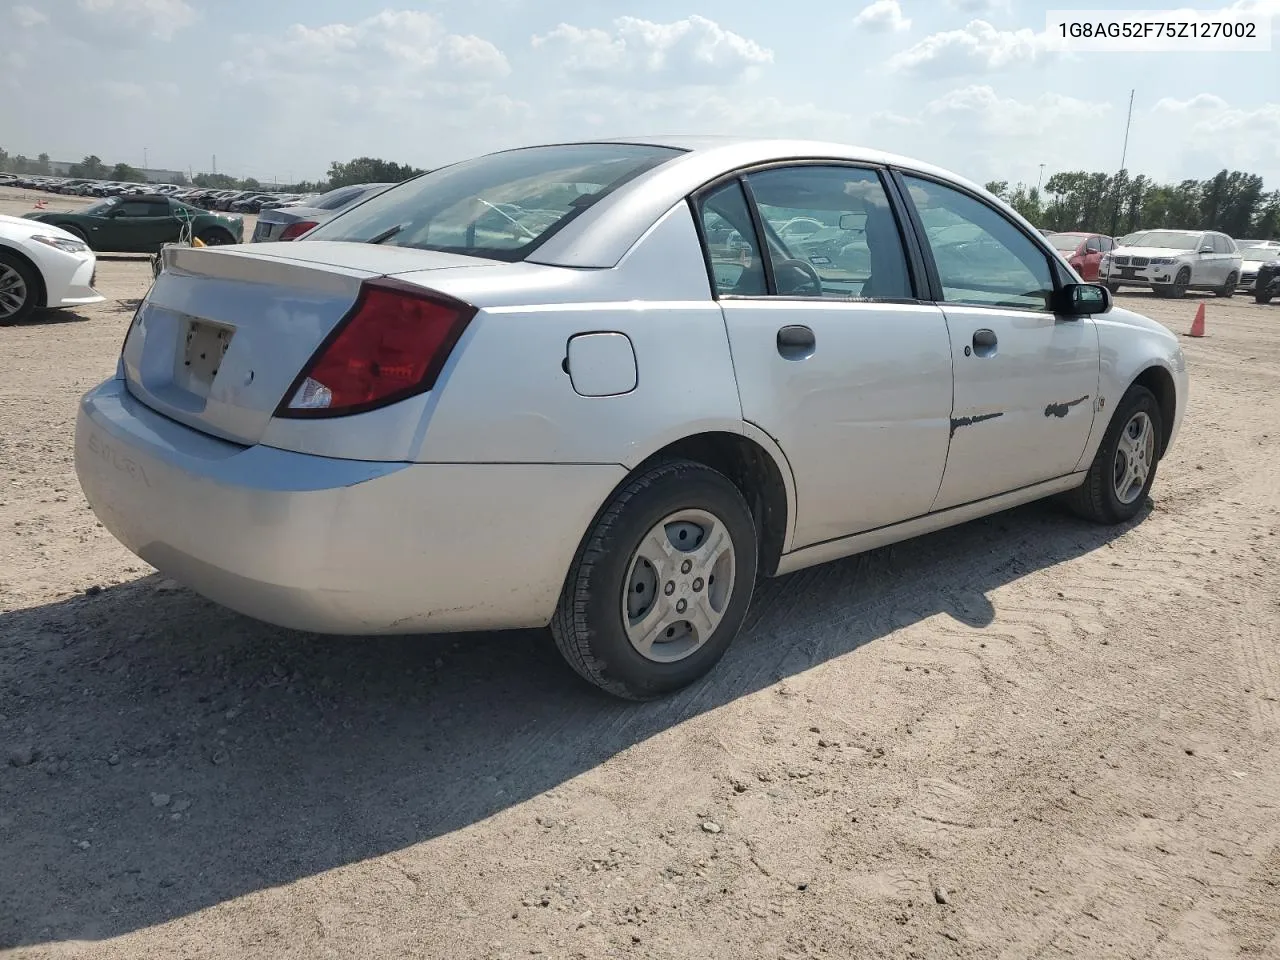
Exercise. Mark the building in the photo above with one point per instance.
(62, 168)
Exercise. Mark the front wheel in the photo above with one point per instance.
(1228, 289)
(661, 583)
(18, 285)
(1124, 468)
(1178, 289)
(1261, 295)
(1114, 288)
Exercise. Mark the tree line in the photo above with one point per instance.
(359, 170)
(1232, 202)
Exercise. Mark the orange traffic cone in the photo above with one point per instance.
(40, 204)
(1197, 325)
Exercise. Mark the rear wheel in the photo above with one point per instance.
(1124, 468)
(1228, 289)
(19, 286)
(661, 584)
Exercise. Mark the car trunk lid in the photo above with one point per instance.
(223, 333)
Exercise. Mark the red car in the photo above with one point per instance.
(1083, 251)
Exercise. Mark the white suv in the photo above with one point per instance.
(1171, 262)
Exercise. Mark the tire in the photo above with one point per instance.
(1259, 295)
(1097, 498)
(1114, 288)
(1178, 289)
(213, 237)
(1228, 289)
(20, 286)
(611, 580)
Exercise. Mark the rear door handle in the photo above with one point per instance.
(796, 342)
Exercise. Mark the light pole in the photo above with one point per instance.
(1041, 180)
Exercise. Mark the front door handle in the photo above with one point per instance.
(796, 342)
(984, 343)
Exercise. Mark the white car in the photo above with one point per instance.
(42, 266)
(1254, 253)
(1171, 262)
(594, 386)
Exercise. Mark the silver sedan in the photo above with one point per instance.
(605, 387)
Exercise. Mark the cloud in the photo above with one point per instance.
(979, 7)
(883, 16)
(979, 109)
(977, 48)
(163, 18)
(694, 50)
(1208, 133)
(1200, 102)
(405, 42)
(26, 17)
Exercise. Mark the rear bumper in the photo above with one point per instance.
(335, 546)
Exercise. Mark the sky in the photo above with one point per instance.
(276, 89)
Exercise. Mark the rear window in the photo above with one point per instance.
(499, 206)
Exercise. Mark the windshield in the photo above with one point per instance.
(101, 207)
(1167, 239)
(499, 206)
(1066, 242)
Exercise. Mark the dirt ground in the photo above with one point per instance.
(1025, 737)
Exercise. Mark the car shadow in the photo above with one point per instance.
(50, 317)
(165, 755)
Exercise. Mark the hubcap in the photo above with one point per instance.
(678, 585)
(1135, 456)
(13, 291)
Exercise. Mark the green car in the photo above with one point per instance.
(142, 224)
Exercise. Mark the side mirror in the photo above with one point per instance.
(1082, 300)
(1207, 248)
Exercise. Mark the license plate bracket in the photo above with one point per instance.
(204, 347)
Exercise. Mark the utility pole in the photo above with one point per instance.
(145, 165)
(1124, 153)
(1041, 180)
(215, 164)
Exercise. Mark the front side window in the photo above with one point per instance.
(982, 258)
(830, 233)
(500, 206)
(142, 208)
(731, 247)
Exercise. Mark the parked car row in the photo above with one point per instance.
(236, 201)
(1168, 262)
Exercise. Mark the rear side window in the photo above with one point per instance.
(500, 206)
(831, 233)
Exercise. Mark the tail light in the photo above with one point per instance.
(391, 345)
(295, 230)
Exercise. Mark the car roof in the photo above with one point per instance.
(602, 234)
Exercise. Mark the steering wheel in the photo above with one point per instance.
(811, 275)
